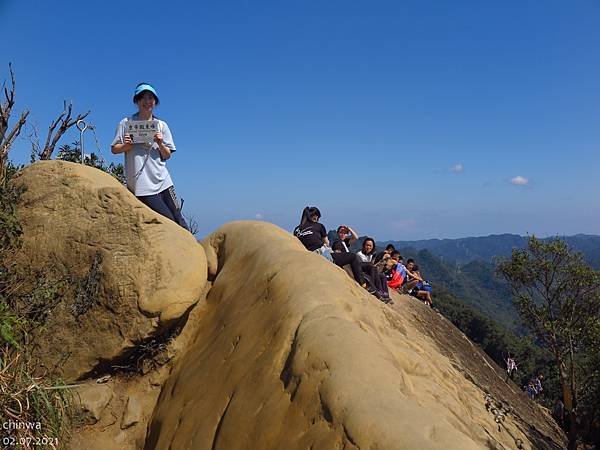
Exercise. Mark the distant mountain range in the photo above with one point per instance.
(475, 283)
(465, 267)
(466, 250)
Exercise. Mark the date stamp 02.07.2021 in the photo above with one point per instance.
(21, 434)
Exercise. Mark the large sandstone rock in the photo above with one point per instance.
(134, 272)
(291, 354)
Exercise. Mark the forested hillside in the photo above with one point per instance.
(466, 268)
(474, 283)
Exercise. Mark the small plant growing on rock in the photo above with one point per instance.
(88, 287)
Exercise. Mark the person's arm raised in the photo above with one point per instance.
(353, 234)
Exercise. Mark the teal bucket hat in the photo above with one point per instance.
(144, 87)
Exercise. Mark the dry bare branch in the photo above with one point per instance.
(5, 145)
(66, 122)
(6, 106)
(34, 139)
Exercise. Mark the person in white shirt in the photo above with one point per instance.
(511, 367)
(367, 252)
(367, 256)
(145, 163)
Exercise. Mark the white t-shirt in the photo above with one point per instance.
(146, 172)
(365, 258)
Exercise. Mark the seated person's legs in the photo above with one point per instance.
(407, 287)
(373, 273)
(384, 287)
(341, 259)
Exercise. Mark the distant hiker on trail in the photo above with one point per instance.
(530, 390)
(558, 412)
(534, 387)
(147, 144)
(537, 384)
(511, 367)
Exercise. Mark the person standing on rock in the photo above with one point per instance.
(511, 367)
(145, 160)
(558, 412)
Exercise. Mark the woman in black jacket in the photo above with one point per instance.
(313, 236)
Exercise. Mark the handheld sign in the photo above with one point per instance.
(142, 131)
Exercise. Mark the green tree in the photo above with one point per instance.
(557, 296)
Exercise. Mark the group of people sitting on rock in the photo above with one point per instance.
(533, 389)
(376, 272)
(405, 278)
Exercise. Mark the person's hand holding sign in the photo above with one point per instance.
(165, 152)
(128, 142)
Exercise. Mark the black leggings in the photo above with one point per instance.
(379, 279)
(165, 203)
(341, 259)
(384, 286)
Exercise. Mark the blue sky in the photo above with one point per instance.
(405, 120)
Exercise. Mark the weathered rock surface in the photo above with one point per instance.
(286, 352)
(291, 353)
(93, 399)
(132, 271)
(133, 413)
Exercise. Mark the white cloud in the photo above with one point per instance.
(456, 168)
(519, 181)
(258, 216)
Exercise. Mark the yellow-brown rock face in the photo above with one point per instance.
(291, 354)
(286, 352)
(136, 272)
